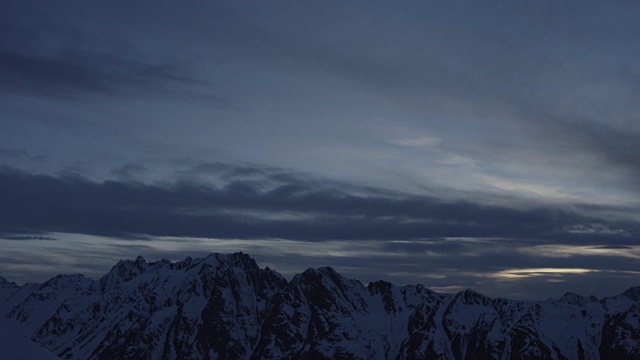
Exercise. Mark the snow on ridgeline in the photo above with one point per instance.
(227, 307)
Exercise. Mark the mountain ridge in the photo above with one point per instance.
(227, 307)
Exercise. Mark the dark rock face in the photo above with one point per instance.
(227, 307)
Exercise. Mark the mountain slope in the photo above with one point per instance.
(227, 307)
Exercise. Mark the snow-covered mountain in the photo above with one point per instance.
(227, 307)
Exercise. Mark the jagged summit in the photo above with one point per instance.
(577, 299)
(6, 283)
(632, 293)
(227, 307)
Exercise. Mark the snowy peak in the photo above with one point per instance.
(37, 303)
(123, 271)
(6, 283)
(7, 288)
(632, 293)
(67, 283)
(188, 309)
(470, 297)
(387, 293)
(576, 299)
(227, 307)
(327, 289)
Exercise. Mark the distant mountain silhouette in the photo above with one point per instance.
(227, 307)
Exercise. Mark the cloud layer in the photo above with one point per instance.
(259, 202)
(464, 144)
(290, 220)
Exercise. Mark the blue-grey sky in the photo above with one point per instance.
(484, 145)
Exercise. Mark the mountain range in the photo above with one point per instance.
(227, 307)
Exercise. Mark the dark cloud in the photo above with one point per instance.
(128, 171)
(80, 72)
(20, 155)
(13, 153)
(60, 57)
(615, 147)
(478, 255)
(288, 208)
(26, 237)
(614, 247)
(77, 75)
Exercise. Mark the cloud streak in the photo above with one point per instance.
(262, 202)
(495, 267)
(65, 60)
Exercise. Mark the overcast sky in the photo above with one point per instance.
(484, 145)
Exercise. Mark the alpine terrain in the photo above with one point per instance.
(227, 307)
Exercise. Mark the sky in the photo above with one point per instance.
(484, 145)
